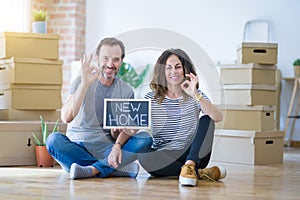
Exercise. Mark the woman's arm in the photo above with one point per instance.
(189, 87)
(208, 108)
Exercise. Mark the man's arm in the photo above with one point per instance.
(88, 75)
(122, 135)
(73, 103)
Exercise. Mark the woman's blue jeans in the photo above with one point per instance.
(66, 152)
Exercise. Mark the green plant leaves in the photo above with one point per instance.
(39, 15)
(296, 62)
(128, 74)
(36, 140)
(55, 128)
(45, 132)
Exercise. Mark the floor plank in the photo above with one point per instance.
(276, 181)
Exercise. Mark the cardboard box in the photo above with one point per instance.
(250, 94)
(30, 97)
(32, 45)
(248, 65)
(30, 71)
(248, 74)
(16, 144)
(260, 118)
(248, 147)
(28, 115)
(263, 53)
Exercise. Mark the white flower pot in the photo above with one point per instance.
(39, 27)
(297, 71)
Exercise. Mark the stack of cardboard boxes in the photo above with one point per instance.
(30, 86)
(30, 76)
(248, 133)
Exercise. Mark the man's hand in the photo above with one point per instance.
(129, 132)
(115, 156)
(115, 133)
(89, 73)
(121, 136)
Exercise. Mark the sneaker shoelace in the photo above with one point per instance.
(190, 169)
(206, 176)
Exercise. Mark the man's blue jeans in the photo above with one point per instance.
(66, 152)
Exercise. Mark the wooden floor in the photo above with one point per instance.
(277, 181)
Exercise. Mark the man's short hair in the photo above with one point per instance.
(111, 41)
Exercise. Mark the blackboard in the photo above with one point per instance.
(127, 113)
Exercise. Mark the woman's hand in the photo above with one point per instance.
(89, 73)
(115, 156)
(189, 86)
(207, 107)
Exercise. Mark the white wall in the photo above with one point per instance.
(215, 25)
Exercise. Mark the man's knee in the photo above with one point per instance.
(52, 139)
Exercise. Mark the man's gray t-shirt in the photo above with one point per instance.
(87, 126)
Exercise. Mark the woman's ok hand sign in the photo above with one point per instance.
(189, 85)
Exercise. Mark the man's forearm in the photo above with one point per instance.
(122, 138)
(73, 104)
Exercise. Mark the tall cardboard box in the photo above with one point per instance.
(16, 143)
(238, 117)
(248, 147)
(248, 74)
(247, 94)
(30, 97)
(30, 71)
(32, 45)
(263, 53)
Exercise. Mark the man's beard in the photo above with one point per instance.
(104, 74)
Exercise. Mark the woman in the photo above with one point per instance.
(182, 142)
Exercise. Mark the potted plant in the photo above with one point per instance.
(297, 67)
(39, 24)
(42, 156)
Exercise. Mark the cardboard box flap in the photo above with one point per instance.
(30, 35)
(249, 87)
(249, 133)
(247, 107)
(30, 86)
(257, 45)
(30, 60)
(248, 66)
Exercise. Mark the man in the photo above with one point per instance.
(88, 150)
